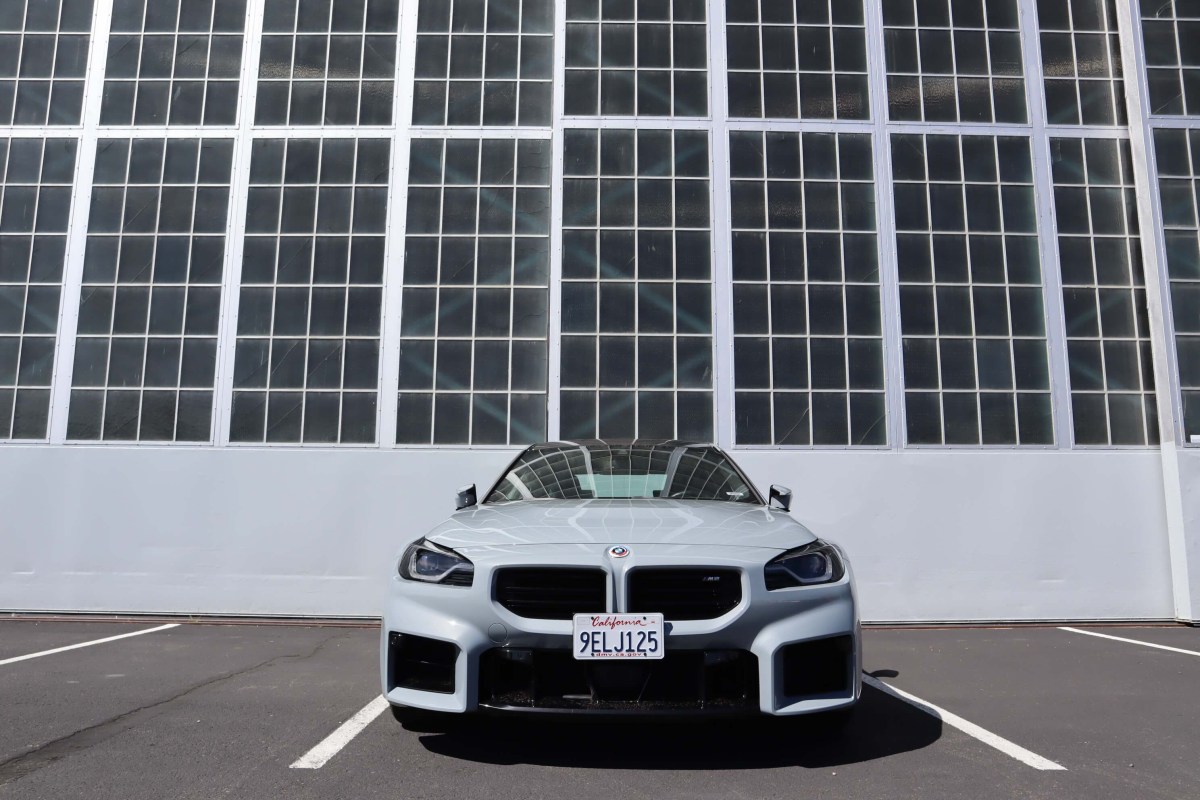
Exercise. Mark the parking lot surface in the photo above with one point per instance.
(208, 710)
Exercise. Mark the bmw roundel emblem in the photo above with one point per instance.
(618, 551)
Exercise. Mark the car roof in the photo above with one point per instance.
(611, 443)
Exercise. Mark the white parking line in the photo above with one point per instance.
(970, 728)
(7, 661)
(334, 742)
(1132, 641)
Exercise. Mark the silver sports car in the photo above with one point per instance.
(621, 578)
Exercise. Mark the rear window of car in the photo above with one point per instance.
(589, 472)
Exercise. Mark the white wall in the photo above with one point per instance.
(933, 535)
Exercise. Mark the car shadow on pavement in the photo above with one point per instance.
(880, 726)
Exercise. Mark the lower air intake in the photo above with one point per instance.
(423, 664)
(816, 668)
(701, 681)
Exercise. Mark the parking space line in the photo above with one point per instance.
(1132, 641)
(92, 643)
(334, 742)
(971, 729)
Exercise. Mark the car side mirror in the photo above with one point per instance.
(466, 498)
(781, 495)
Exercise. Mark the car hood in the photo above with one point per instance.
(625, 522)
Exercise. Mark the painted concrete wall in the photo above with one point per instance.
(1183, 499)
(933, 536)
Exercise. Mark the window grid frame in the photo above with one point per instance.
(1191, 134)
(358, 128)
(1048, 318)
(89, 127)
(992, 76)
(707, 70)
(83, 80)
(150, 284)
(520, 35)
(278, 237)
(863, 27)
(670, 127)
(1136, 288)
(16, 386)
(437, 338)
(769, 282)
(1115, 67)
(137, 81)
(1179, 70)
(1143, 126)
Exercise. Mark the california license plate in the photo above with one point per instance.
(600, 636)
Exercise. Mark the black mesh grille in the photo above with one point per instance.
(548, 593)
(683, 594)
(702, 681)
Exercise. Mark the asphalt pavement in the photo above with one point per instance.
(224, 710)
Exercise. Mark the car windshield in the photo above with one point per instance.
(611, 471)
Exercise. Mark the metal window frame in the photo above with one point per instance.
(139, 81)
(1131, 240)
(842, 286)
(711, 8)
(57, 33)
(1111, 35)
(150, 284)
(483, 35)
(28, 284)
(512, 287)
(1139, 131)
(1142, 125)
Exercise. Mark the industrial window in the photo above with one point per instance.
(1178, 155)
(954, 61)
(327, 62)
(35, 208)
(808, 346)
(173, 62)
(648, 58)
(1104, 293)
(1171, 34)
(486, 62)
(801, 60)
(145, 356)
(473, 326)
(971, 311)
(1081, 61)
(307, 363)
(43, 60)
(637, 285)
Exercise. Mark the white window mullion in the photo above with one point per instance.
(723, 384)
(1168, 396)
(394, 248)
(885, 224)
(85, 161)
(554, 329)
(1043, 183)
(235, 228)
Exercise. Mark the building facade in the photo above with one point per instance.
(277, 276)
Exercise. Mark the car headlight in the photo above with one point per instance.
(426, 562)
(815, 563)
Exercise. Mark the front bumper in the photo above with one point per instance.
(784, 652)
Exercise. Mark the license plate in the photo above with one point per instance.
(607, 636)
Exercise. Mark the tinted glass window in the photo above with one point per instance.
(638, 471)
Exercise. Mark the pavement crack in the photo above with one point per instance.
(41, 756)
